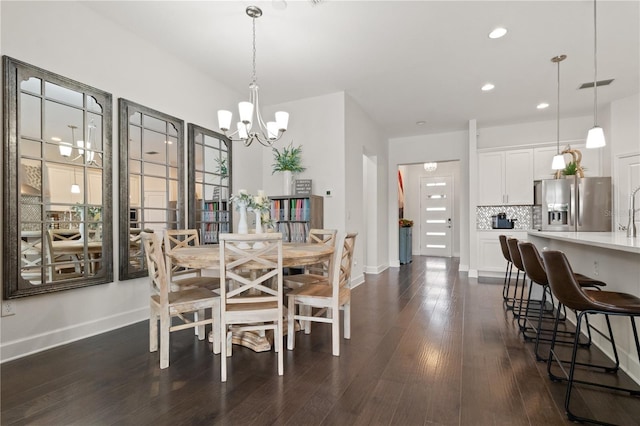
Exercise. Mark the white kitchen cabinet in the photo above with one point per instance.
(505, 178)
(491, 262)
(542, 158)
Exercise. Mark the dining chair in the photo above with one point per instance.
(61, 265)
(254, 300)
(318, 272)
(583, 302)
(167, 306)
(330, 295)
(182, 277)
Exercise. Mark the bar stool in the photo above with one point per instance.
(514, 255)
(536, 272)
(507, 272)
(586, 302)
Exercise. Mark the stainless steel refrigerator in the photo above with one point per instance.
(576, 204)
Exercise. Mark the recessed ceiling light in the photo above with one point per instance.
(421, 123)
(498, 32)
(542, 105)
(487, 87)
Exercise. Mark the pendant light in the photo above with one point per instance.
(595, 137)
(558, 159)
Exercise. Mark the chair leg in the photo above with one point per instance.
(335, 329)
(215, 314)
(153, 330)
(200, 330)
(307, 311)
(291, 330)
(165, 324)
(278, 346)
(347, 320)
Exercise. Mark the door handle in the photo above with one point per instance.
(449, 223)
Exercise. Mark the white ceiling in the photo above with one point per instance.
(405, 61)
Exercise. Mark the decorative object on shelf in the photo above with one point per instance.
(303, 187)
(595, 137)
(558, 160)
(405, 223)
(430, 167)
(265, 133)
(288, 161)
(573, 167)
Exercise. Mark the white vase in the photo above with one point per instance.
(287, 178)
(243, 228)
(259, 230)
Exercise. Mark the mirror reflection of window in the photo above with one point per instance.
(151, 180)
(209, 183)
(57, 143)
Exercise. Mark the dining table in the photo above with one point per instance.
(294, 254)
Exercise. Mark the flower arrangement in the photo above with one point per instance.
(260, 202)
(405, 223)
(288, 160)
(243, 197)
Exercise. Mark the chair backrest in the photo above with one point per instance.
(156, 266)
(322, 236)
(532, 262)
(175, 239)
(512, 243)
(563, 282)
(238, 255)
(343, 260)
(504, 247)
(326, 237)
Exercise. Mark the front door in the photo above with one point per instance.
(436, 215)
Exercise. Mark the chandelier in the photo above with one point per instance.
(251, 125)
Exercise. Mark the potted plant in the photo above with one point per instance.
(572, 169)
(288, 161)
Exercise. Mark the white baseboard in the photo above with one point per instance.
(463, 268)
(473, 273)
(356, 281)
(394, 264)
(22, 347)
(375, 269)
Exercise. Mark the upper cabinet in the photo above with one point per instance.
(542, 157)
(505, 178)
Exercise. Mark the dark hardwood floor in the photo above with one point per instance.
(428, 346)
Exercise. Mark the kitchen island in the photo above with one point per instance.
(612, 258)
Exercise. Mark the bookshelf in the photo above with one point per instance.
(295, 215)
(214, 217)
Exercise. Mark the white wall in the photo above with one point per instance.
(421, 149)
(69, 39)
(625, 125)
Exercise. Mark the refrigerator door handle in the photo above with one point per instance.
(572, 206)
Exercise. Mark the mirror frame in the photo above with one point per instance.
(13, 71)
(126, 109)
(192, 131)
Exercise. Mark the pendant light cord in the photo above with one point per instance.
(558, 115)
(595, 66)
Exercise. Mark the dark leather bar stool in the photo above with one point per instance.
(585, 302)
(534, 267)
(507, 272)
(514, 255)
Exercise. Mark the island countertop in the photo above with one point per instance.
(608, 240)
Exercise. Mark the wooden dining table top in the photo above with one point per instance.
(208, 256)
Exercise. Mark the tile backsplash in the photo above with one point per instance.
(522, 214)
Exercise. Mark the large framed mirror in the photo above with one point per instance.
(209, 183)
(57, 174)
(151, 180)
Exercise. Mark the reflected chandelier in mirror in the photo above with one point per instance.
(57, 199)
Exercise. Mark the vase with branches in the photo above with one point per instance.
(288, 161)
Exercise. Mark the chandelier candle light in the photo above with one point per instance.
(265, 133)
